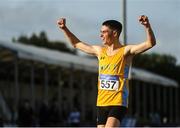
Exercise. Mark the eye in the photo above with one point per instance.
(105, 31)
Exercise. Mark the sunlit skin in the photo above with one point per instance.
(106, 35)
(110, 39)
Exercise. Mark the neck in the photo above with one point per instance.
(116, 44)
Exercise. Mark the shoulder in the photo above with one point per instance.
(99, 49)
(127, 49)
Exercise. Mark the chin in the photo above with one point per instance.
(105, 43)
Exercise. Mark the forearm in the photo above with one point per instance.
(151, 40)
(71, 37)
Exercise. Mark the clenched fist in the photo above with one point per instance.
(61, 23)
(144, 20)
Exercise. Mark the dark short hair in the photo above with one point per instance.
(114, 25)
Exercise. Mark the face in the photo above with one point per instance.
(106, 35)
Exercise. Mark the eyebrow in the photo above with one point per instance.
(104, 31)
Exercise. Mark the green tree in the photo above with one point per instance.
(43, 37)
(22, 39)
(161, 64)
(42, 40)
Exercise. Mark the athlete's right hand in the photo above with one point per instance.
(61, 23)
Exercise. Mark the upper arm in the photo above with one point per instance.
(137, 48)
(90, 49)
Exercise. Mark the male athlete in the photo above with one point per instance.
(114, 60)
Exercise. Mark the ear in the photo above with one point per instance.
(115, 34)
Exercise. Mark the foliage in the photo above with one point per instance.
(161, 64)
(42, 40)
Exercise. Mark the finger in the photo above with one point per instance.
(59, 22)
(145, 18)
(141, 18)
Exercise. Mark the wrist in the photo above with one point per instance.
(148, 26)
(64, 28)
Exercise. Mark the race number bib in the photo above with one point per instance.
(109, 82)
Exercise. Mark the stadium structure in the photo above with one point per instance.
(40, 75)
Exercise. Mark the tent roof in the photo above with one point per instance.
(58, 58)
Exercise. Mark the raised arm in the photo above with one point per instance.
(76, 43)
(150, 39)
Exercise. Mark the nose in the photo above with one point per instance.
(101, 35)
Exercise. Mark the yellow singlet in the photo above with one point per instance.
(113, 79)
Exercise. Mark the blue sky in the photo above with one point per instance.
(84, 18)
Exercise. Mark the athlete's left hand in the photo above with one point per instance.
(144, 20)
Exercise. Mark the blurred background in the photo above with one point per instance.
(45, 82)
